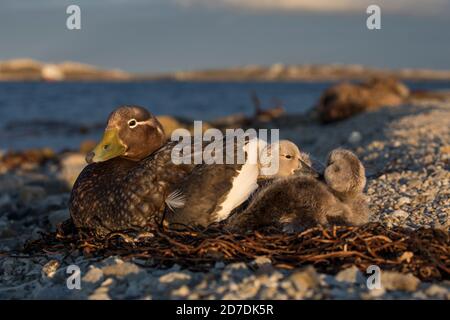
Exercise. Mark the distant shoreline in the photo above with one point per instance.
(32, 70)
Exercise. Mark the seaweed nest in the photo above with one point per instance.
(424, 252)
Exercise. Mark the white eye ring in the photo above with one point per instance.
(132, 123)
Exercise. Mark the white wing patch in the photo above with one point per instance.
(176, 200)
(244, 184)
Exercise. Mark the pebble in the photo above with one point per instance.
(355, 137)
(182, 291)
(437, 291)
(403, 200)
(71, 166)
(49, 269)
(305, 279)
(94, 275)
(392, 280)
(400, 214)
(350, 275)
(121, 269)
(174, 277)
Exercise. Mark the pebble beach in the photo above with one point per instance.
(406, 151)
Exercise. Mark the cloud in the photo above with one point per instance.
(392, 6)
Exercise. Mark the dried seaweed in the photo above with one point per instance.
(424, 252)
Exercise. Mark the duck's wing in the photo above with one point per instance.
(200, 195)
(151, 181)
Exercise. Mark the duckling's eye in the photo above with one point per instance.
(132, 123)
(288, 156)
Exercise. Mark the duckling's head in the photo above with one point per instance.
(131, 132)
(345, 173)
(290, 159)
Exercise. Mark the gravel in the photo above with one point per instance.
(406, 151)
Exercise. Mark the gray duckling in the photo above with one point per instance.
(305, 200)
(210, 193)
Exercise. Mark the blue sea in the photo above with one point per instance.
(62, 115)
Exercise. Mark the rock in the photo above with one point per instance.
(400, 214)
(355, 137)
(94, 275)
(392, 280)
(249, 290)
(373, 293)
(57, 217)
(50, 268)
(344, 100)
(121, 269)
(403, 200)
(437, 291)
(174, 277)
(71, 166)
(350, 275)
(262, 264)
(27, 160)
(240, 266)
(182, 291)
(100, 294)
(305, 279)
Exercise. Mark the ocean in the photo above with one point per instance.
(62, 115)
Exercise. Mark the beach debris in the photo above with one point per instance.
(329, 250)
(345, 99)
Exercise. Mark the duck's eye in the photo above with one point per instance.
(132, 123)
(288, 156)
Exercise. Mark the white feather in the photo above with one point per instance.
(243, 185)
(175, 200)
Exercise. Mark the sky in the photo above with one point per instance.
(170, 35)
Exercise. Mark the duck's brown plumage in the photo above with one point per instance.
(130, 174)
(120, 194)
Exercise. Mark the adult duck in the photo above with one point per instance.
(129, 175)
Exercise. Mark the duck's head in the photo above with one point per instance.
(290, 159)
(131, 132)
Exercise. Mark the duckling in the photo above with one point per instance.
(129, 175)
(305, 200)
(345, 174)
(211, 193)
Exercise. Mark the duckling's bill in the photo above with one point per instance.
(109, 147)
(312, 168)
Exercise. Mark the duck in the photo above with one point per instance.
(128, 176)
(211, 193)
(307, 199)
